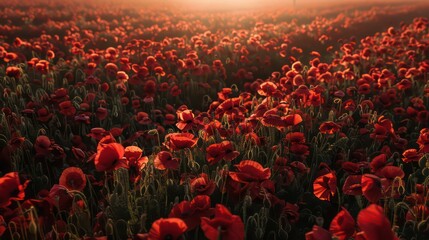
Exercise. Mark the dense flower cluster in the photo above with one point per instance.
(149, 122)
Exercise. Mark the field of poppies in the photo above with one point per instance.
(154, 121)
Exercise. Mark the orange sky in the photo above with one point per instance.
(246, 4)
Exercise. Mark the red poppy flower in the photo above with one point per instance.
(423, 141)
(109, 156)
(150, 88)
(295, 137)
(371, 187)
(13, 71)
(132, 153)
(143, 118)
(224, 94)
(354, 168)
(375, 224)
(221, 151)
(364, 88)
(73, 178)
(101, 113)
(352, 185)
(105, 140)
(301, 151)
(202, 185)
(11, 189)
(267, 89)
(42, 145)
(411, 155)
(61, 94)
(273, 120)
(291, 211)
(42, 66)
(192, 211)
(325, 186)
(377, 163)
(329, 127)
(249, 171)
(186, 120)
(164, 160)
(169, 119)
(392, 172)
(44, 115)
(392, 180)
(159, 71)
(177, 141)
(167, 228)
(224, 225)
(2, 226)
(136, 166)
(97, 133)
(417, 213)
(292, 119)
(343, 225)
(175, 91)
(122, 76)
(67, 108)
(314, 99)
(228, 107)
(318, 233)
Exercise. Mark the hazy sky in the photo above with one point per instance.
(237, 4)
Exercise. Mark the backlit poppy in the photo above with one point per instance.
(375, 224)
(11, 188)
(325, 186)
(191, 212)
(329, 127)
(249, 171)
(423, 141)
(292, 119)
(411, 155)
(343, 225)
(267, 89)
(273, 120)
(14, 72)
(186, 120)
(202, 185)
(224, 225)
(167, 228)
(318, 233)
(109, 156)
(178, 141)
(371, 187)
(221, 151)
(133, 153)
(164, 160)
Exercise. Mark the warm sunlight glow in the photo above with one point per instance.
(234, 4)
